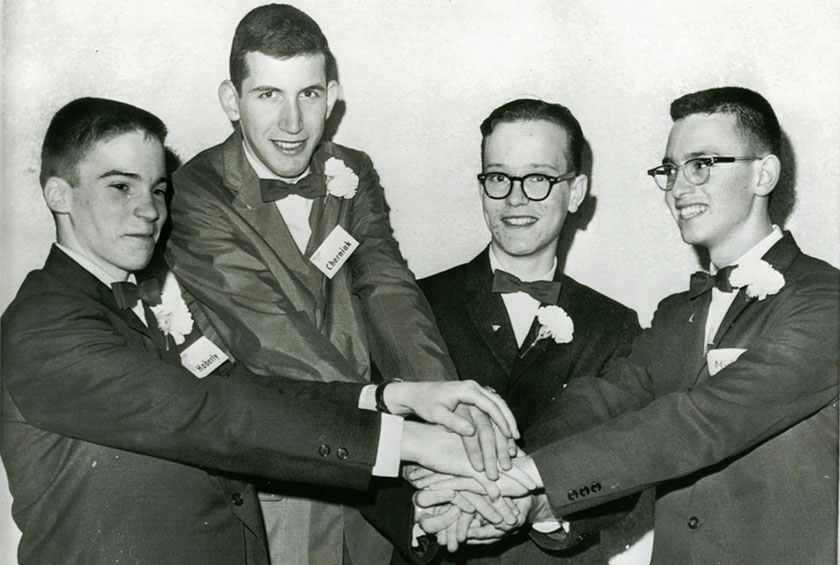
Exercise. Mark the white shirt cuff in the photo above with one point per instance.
(387, 462)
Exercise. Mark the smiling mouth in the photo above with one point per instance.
(519, 221)
(689, 212)
(290, 147)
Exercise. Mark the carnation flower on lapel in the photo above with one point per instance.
(760, 278)
(555, 323)
(172, 315)
(342, 182)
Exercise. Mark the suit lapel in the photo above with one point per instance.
(532, 350)
(266, 220)
(487, 313)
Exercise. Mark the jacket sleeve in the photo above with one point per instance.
(787, 374)
(103, 387)
(404, 339)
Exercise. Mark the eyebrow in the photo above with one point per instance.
(527, 165)
(119, 173)
(692, 155)
(265, 88)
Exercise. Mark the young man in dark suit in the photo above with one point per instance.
(489, 310)
(114, 451)
(728, 403)
(284, 240)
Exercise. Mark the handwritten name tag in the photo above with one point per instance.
(334, 251)
(719, 359)
(202, 357)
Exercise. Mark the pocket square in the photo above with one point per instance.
(718, 359)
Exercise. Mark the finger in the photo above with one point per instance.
(486, 434)
(462, 526)
(431, 480)
(522, 478)
(508, 510)
(434, 523)
(484, 535)
(502, 449)
(463, 503)
(473, 450)
(482, 506)
(513, 449)
(444, 417)
(452, 537)
(428, 498)
(414, 472)
(493, 405)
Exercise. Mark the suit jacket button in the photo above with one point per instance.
(237, 499)
(573, 494)
(693, 522)
(341, 453)
(584, 491)
(596, 487)
(324, 450)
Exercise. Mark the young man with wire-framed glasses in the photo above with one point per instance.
(491, 310)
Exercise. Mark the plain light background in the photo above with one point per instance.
(418, 77)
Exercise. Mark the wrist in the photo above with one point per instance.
(388, 397)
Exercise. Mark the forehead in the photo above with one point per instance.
(527, 142)
(265, 70)
(705, 134)
(133, 152)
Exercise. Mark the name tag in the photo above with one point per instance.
(719, 359)
(334, 251)
(202, 357)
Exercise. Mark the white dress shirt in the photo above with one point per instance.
(521, 306)
(294, 208)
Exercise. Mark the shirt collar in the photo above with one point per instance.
(106, 278)
(757, 251)
(264, 172)
(547, 276)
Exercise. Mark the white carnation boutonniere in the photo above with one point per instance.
(760, 278)
(554, 323)
(342, 182)
(172, 315)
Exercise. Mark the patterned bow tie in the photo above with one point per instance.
(702, 282)
(127, 293)
(544, 292)
(312, 185)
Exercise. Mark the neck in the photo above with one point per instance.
(526, 267)
(729, 250)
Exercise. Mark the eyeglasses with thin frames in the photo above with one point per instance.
(696, 171)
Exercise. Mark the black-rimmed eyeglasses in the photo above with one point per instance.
(696, 171)
(535, 186)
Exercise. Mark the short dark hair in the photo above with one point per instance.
(281, 31)
(753, 114)
(84, 122)
(531, 109)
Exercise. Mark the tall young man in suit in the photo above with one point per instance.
(490, 310)
(114, 451)
(284, 240)
(728, 403)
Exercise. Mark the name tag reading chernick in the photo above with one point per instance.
(202, 357)
(334, 251)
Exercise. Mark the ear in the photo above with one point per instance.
(59, 195)
(768, 175)
(333, 94)
(229, 99)
(577, 192)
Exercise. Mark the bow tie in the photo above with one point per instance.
(312, 185)
(544, 292)
(127, 293)
(702, 282)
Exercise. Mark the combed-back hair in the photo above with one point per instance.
(83, 123)
(755, 117)
(280, 31)
(532, 109)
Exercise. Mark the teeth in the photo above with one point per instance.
(289, 145)
(519, 221)
(691, 211)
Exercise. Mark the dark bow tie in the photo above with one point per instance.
(312, 185)
(127, 293)
(545, 292)
(702, 282)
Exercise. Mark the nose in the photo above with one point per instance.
(681, 187)
(516, 196)
(290, 117)
(148, 208)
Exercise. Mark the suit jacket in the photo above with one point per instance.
(745, 460)
(272, 308)
(112, 448)
(477, 330)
